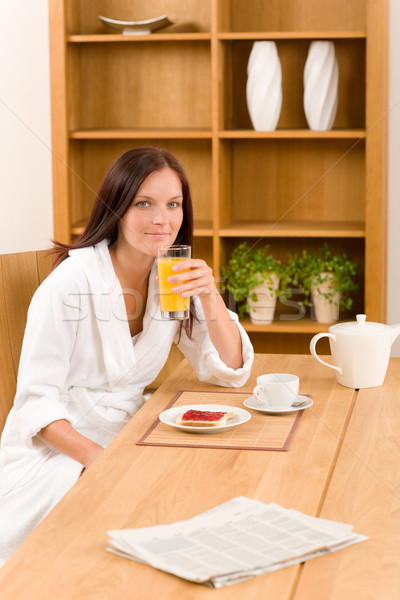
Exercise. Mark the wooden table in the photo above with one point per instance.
(343, 464)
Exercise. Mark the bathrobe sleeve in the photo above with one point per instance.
(205, 359)
(48, 344)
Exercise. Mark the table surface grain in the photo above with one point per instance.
(343, 464)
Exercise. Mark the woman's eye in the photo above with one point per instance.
(142, 203)
(174, 204)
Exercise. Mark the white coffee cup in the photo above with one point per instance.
(276, 390)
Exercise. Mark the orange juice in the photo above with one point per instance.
(170, 301)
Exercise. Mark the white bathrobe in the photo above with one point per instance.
(79, 363)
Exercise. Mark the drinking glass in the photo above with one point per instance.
(173, 305)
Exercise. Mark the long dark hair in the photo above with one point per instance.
(116, 194)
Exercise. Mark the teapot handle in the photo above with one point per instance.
(313, 343)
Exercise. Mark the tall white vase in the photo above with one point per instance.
(321, 78)
(264, 86)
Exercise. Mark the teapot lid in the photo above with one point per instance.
(360, 327)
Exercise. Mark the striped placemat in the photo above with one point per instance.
(261, 432)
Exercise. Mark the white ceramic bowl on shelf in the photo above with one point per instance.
(137, 27)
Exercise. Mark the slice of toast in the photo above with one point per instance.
(204, 418)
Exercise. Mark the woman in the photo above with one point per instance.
(95, 339)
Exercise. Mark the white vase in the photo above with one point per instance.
(262, 310)
(264, 86)
(325, 299)
(321, 78)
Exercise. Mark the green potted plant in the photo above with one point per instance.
(252, 275)
(327, 276)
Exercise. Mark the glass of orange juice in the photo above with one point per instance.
(173, 305)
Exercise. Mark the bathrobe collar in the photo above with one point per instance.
(120, 355)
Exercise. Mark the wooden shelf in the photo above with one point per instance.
(201, 228)
(153, 37)
(202, 133)
(304, 325)
(299, 229)
(355, 134)
(267, 230)
(131, 134)
(292, 35)
(200, 37)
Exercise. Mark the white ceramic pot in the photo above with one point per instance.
(264, 86)
(321, 78)
(325, 299)
(360, 351)
(262, 310)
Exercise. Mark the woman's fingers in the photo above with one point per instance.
(194, 282)
(190, 263)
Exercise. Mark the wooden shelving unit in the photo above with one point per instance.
(184, 88)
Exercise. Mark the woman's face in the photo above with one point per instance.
(156, 213)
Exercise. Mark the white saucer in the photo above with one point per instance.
(256, 405)
(170, 415)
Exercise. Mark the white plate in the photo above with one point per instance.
(137, 27)
(170, 415)
(255, 405)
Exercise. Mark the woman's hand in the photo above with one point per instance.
(61, 435)
(195, 282)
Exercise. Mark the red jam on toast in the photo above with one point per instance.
(204, 418)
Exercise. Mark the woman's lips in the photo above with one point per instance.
(160, 236)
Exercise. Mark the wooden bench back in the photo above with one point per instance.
(20, 275)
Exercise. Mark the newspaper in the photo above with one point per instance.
(234, 541)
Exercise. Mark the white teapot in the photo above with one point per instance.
(360, 351)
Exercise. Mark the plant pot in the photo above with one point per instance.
(262, 310)
(325, 299)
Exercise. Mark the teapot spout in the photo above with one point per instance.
(395, 331)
